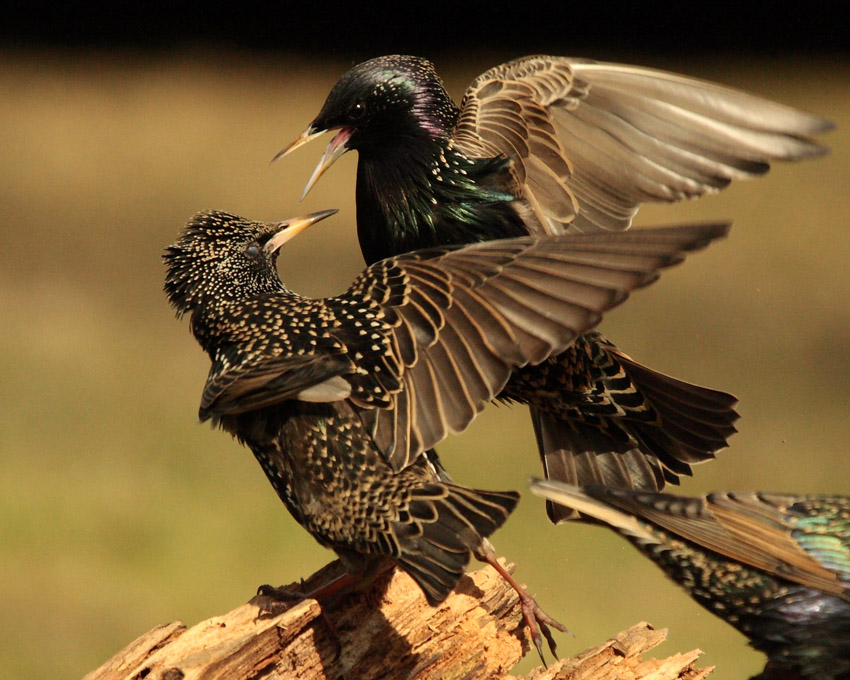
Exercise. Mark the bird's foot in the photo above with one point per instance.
(538, 622)
(274, 601)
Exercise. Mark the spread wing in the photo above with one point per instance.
(421, 342)
(801, 539)
(756, 529)
(460, 321)
(592, 141)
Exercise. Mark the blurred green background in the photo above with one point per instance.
(119, 512)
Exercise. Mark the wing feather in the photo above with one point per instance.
(464, 319)
(592, 141)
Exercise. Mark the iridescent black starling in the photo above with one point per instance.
(775, 566)
(340, 399)
(550, 145)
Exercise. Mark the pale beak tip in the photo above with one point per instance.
(326, 213)
(309, 134)
(337, 147)
(291, 228)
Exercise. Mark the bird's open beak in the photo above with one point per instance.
(334, 150)
(338, 146)
(293, 227)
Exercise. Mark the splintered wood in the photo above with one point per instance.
(386, 630)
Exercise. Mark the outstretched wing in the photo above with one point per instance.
(792, 537)
(592, 141)
(461, 320)
(750, 528)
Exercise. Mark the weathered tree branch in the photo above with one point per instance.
(385, 630)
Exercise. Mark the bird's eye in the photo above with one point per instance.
(252, 251)
(356, 112)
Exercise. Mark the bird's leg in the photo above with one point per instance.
(280, 597)
(535, 618)
(356, 571)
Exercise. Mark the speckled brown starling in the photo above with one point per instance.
(341, 398)
(549, 145)
(775, 566)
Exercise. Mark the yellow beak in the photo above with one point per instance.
(334, 150)
(292, 227)
(308, 135)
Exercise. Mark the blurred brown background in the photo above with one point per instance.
(119, 512)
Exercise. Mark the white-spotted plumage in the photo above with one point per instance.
(342, 416)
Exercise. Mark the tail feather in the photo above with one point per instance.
(677, 391)
(447, 523)
(583, 500)
(578, 454)
(660, 427)
(692, 407)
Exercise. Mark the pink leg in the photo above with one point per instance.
(535, 618)
(280, 596)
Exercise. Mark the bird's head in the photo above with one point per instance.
(221, 257)
(381, 105)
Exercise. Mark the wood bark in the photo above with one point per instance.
(384, 629)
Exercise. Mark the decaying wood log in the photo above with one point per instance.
(384, 629)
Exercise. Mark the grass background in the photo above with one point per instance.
(118, 512)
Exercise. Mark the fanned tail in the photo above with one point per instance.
(660, 427)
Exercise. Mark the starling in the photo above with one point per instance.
(341, 399)
(550, 145)
(774, 566)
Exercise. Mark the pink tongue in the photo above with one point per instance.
(333, 151)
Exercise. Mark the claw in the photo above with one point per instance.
(281, 593)
(539, 621)
(536, 620)
(280, 599)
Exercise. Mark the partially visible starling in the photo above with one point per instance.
(549, 145)
(341, 398)
(775, 566)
